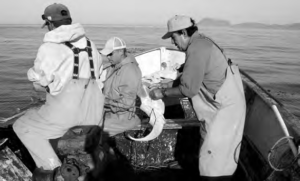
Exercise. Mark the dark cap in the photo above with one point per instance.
(56, 12)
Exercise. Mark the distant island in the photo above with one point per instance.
(217, 22)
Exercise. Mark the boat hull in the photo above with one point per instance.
(262, 129)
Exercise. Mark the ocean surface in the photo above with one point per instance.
(271, 57)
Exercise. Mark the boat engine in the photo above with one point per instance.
(84, 153)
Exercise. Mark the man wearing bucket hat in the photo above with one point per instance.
(213, 85)
(122, 85)
(67, 68)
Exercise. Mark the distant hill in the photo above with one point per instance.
(217, 22)
(213, 22)
(295, 26)
(250, 25)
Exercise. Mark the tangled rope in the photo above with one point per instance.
(280, 156)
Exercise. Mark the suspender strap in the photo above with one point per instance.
(76, 60)
(89, 51)
(221, 49)
(209, 39)
(76, 52)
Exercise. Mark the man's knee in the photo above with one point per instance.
(17, 128)
(23, 131)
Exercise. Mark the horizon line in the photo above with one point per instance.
(147, 25)
(160, 24)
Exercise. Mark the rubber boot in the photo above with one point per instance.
(39, 174)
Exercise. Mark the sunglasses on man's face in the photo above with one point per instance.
(47, 23)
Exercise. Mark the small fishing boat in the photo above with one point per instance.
(176, 144)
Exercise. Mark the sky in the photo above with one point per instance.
(154, 12)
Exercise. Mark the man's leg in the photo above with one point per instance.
(115, 124)
(38, 146)
(203, 133)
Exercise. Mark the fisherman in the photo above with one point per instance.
(122, 85)
(213, 85)
(67, 68)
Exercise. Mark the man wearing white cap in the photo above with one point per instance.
(67, 68)
(122, 85)
(214, 86)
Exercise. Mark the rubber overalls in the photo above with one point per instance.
(80, 103)
(223, 118)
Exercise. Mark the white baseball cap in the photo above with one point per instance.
(176, 23)
(112, 44)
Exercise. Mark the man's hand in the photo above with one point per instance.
(160, 85)
(154, 86)
(37, 87)
(156, 94)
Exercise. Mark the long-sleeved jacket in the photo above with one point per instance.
(123, 84)
(53, 66)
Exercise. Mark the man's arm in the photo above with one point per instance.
(198, 54)
(41, 74)
(128, 89)
(192, 76)
(169, 92)
(162, 85)
(170, 84)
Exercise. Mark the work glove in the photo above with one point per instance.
(157, 94)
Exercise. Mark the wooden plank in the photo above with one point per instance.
(172, 124)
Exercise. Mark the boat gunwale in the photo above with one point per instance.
(291, 121)
(154, 49)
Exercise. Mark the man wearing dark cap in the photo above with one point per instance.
(67, 67)
(214, 86)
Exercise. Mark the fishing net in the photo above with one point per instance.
(281, 156)
(147, 156)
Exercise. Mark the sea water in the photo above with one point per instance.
(271, 57)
